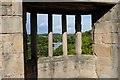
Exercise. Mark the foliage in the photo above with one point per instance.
(71, 44)
(87, 42)
(58, 51)
(42, 44)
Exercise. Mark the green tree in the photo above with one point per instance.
(42, 44)
(87, 42)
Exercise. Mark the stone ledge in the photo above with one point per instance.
(69, 57)
(62, 67)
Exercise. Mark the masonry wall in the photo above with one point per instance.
(106, 44)
(67, 67)
(104, 64)
(11, 39)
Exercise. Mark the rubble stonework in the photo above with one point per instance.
(103, 64)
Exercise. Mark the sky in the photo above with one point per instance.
(42, 23)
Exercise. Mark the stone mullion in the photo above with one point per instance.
(78, 40)
(64, 35)
(50, 36)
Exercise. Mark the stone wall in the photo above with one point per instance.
(67, 67)
(11, 39)
(106, 44)
(104, 64)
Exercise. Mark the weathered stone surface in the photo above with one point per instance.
(107, 38)
(105, 69)
(108, 51)
(1, 74)
(71, 67)
(13, 64)
(115, 59)
(17, 8)
(18, 43)
(115, 27)
(1, 60)
(6, 10)
(6, 2)
(98, 38)
(0, 9)
(114, 37)
(12, 43)
(0, 25)
(7, 43)
(11, 24)
(102, 50)
(103, 27)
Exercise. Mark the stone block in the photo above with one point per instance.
(13, 64)
(98, 38)
(87, 68)
(7, 23)
(7, 47)
(0, 10)
(115, 56)
(105, 61)
(102, 50)
(115, 37)
(45, 69)
(1, 74)
(6, 10)
(12, 43)
(118, 11)
(106, 71)
(17, 24)
(59, 67)
(11, 24)
(104, 67)
(119, 29)
(17, 8)
(7, 3)
(7, 43)
(115, 27)
(18, 43)
(107, 38)
(115, 51)
(17, 0)
(103, 27)
(1, 60)
(0, 24)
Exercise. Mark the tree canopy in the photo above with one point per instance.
(42, 44)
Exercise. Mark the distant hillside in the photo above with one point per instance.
(42, 45)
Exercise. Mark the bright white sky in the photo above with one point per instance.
(42, 23)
